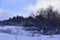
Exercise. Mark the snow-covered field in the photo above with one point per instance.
(17, 33)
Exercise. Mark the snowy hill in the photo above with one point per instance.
(17, 33)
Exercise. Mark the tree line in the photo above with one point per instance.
(47, 19)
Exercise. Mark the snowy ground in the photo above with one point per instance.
(20, 34)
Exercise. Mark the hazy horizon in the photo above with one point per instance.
(10, 8)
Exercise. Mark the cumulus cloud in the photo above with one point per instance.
(44, 4)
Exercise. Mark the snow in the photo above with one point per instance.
(4, 36)
(25, 35)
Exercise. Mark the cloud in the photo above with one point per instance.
(2, 11)
(12, 7)
(4, 14)
(43, 4)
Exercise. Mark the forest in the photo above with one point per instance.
(47, 21)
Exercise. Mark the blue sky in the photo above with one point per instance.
(10, 8)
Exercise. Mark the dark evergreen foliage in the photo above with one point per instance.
(48, 21)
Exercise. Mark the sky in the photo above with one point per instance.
(10, 8)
